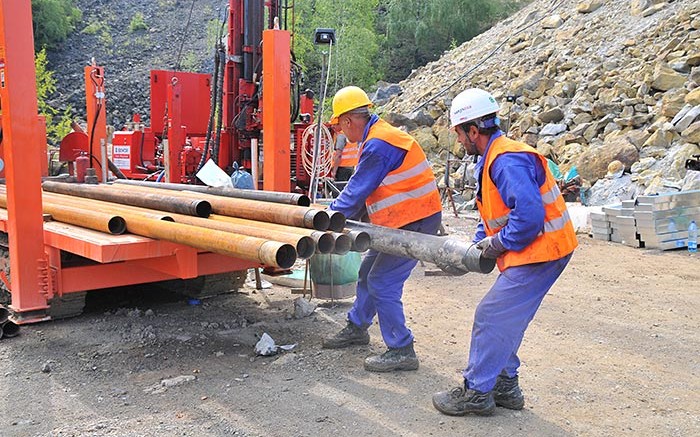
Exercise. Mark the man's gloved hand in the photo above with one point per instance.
(491, 247)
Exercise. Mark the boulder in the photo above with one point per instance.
(593, 163)
(665, 78)
(589, 6)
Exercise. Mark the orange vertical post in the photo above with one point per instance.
(96, 113)
(23, 156)
(276, 111)
(176, 133)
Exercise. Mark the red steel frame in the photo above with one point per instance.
(276, 111)
(37, 273)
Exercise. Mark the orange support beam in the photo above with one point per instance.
(176, 133)
(31, 286)
(276, 111)
(96, 114)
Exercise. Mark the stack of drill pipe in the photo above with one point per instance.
(103, 221)
(73, 210)
(7, 327)
(289, 215)
(305, 245)
(264, 196)
(326, 242)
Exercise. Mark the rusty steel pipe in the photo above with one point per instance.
(85, 218)
(263, 196)
(343, 243)
(442, 251)
(360, 240)
(271, 253)
(115, 194)
(324, 241)
(338, 219)
(304, 245)
(289, 215)
(115, 208)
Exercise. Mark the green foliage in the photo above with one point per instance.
(53, 21)
(418, 31)
(138, 22)
(353, 58)
(58, 123)
(386, 39)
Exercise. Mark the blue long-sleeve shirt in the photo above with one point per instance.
(518, 177)
(378, 158)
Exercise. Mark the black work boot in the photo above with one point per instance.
(461, 401)
(507, 393)
(348, 336)
(403, 358)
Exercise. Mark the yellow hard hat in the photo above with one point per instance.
(347, 99)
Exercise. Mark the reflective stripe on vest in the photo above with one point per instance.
(408, 193)
(400, 197)
(547, 198)
(350, 155)
(557, 238)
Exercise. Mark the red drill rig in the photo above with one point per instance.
(220, 116)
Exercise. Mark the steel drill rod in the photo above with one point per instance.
(271, 253)
(85, 218)
(324, 240)
(264, 196)
(445, 252)
(360, 240)
(304, 245)
(100, 205)
(343, 243)
(115, 194)
(289, 215)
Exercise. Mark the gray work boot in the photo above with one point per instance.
(461, 401)
(403, 358)
(348, 336)
(507, 393)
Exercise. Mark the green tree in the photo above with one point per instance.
(419, 31)
(53, 21)
(58, 123)
(353, 57)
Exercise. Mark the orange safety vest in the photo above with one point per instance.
(408, 193)
(556, 240)
(350, 156)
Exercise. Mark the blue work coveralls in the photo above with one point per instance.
(504, 313)
(381, 276)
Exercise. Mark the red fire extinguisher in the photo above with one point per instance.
(82, 163)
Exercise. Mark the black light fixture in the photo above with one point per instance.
(324, 36)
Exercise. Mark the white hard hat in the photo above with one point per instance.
(470, 105)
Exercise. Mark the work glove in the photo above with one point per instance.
(491, 247)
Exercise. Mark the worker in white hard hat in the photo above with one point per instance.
(395, 187)
(526, 227)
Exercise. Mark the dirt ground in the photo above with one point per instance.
(613, 351)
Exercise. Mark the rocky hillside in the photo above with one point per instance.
(591, 82)
(128, 51)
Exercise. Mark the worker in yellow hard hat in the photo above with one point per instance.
(395, 187)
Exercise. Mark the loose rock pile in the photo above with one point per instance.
(590, 82)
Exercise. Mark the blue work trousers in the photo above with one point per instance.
(380, 287)
(502, 317)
